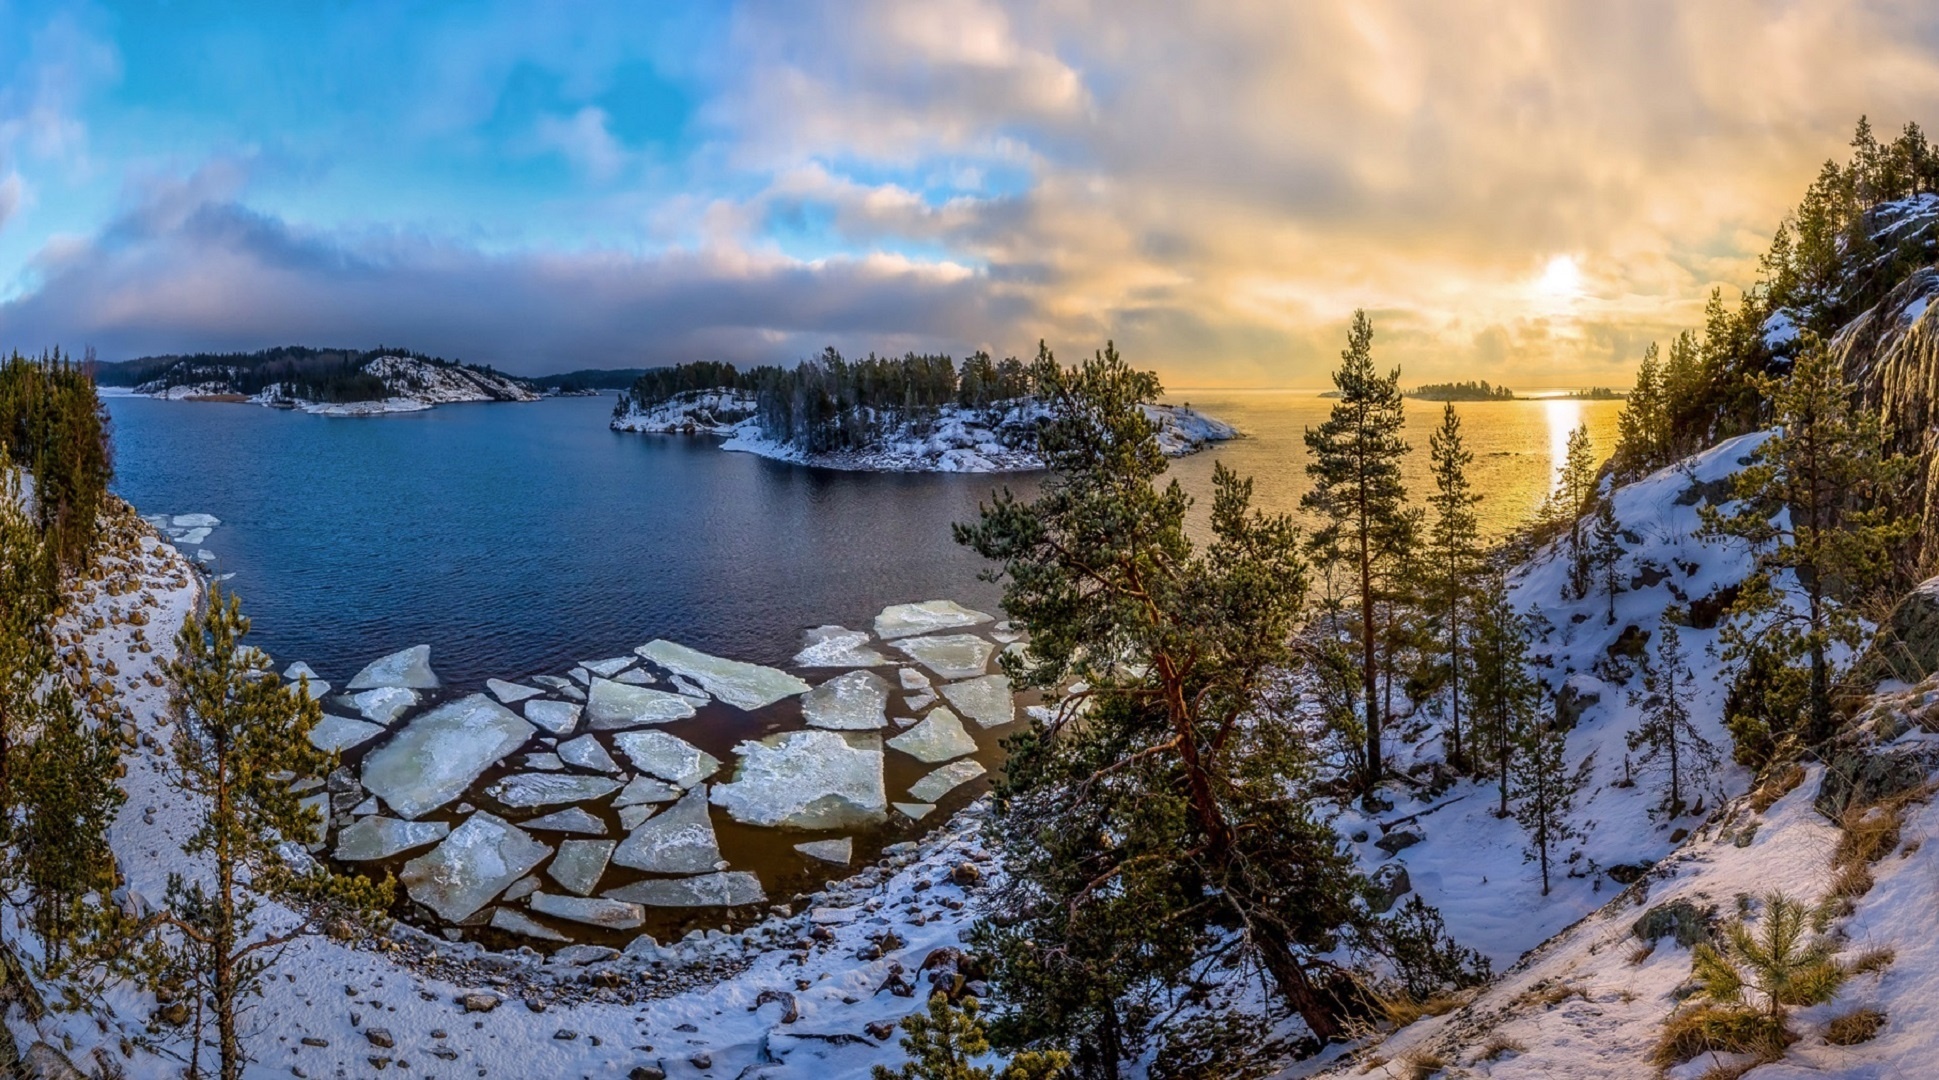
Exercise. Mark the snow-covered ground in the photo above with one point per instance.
(954, 439)
(414, 384)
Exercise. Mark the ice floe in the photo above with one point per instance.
(679, 840)
(335, 734)
(513, 921)
(906, 620)
(580, 864)
(570, 820)
(439, 754)
(550, 789)
(585, 752)
(557, 717)
(384, 704)
(840, 852)
(631, 816)
(915, 811)
(837, 646)
(609, 667)
(671, 759)
(381, 837)
(408, 668)
(853, 702)
(617, 705)
(510, 693)
(810, 779)
(912, 678)
(300, 670)
(742, 685)
(471, 866)
(953, 656)
(591, 910)
(939, 737)
(735, 888)
(645, 789)
(986, 700)
(945, 780)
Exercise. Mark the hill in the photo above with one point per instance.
(334, 381)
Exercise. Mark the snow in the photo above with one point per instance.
(933, 787)
(381, 837)
(939, 737)
(810, 779)
(613, 705)
(580, 864)
(593, 911)
(334, 734)
(927, 617)
(473, 864)
(837, 646)
(384, 704)
(952, 656)
(557, 717)
(986, 700)
(438, 755)
(406, 668)
(672, 759)
(742, 685)
(729, 889)
(679, 840)
(550, 789)
(585, 752)
(856, 701)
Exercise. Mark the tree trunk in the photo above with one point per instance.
(1283, 963)
(1370, 661)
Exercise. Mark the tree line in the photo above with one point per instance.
(313, 374)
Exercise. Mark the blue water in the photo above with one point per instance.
(517, 539)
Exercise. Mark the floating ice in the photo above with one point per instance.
(543, 762)
(745, 686)
(631, 816)
(570, 820)
(320, 802)
(316, 687)
(904, 620)
(548, 789)
(919, 702)
(986, 700)
(634, 677)
(585, 752)
(438, 755)
(679, 841)
(837, 646)
(945, 780)
(300, 670)
(474, 864)
(912, 678)
(852, 702)
(591, 910)
(516, 922)
(839, 852)
(195, 521)
(645, 789)
(580, 675)
(410, 667)
(510, 693)
(384, 704)
(732, 889)
(690, 688)
(381, 837)
(556, 682)
(520, 889)
(939, 737)
(953, 656)
(557, 717)
(659, 754)
(915, 811)
(609, 667)
(580, 864)
(617, 705)
(809, 779)
(335, 734)
(366, 808)
(192, 536)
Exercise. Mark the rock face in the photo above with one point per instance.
(439, 754)
(807, 780)
(1890, 356)
(475, 863)
(1907, 646)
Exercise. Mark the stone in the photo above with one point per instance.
(585, 752)
(1399, 840)
(480, 1002)
(602, 912)
(810, 779)
(837, 646)
(438, 755)
(729, 889)
(742, 685)
(334, 734)
(1390, 883)
(679, 840)
(570, 820)
(517, 922)
(548, 789)
(907, 620)
(410, 668)
(933, 787)
(939, 737)
(471, 866)
(557, 717)
(674, 760)
(1681, 920)
(510, 693)
(580, 864)
(371, 838)
(856, 701)
(614, 705)
(986, 700)
(839, 852)
(952, 656)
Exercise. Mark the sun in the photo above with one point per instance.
(1561, 279)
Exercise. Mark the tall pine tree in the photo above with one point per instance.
(1452, 560)
(1545, 791)
(1667, 736)
(1575, 489)
(1502, 695)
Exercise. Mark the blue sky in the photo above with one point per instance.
(1216, 186)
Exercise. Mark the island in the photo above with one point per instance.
(326, 382)
(1462, 391)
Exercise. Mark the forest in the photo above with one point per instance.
(313, 374)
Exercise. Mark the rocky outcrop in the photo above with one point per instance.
(1890, 356)
(1906, 648)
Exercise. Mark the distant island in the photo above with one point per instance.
(1462, 391)
(1596, 393)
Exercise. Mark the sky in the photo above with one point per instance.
(1525, 192)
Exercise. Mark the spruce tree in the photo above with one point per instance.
(1545, 791)
(1453, 559)
(1502, 696)
(1157, 804)
(1667, 735)
(1817, 501)
(241, 738)
(1357, 491)
(1606, 552)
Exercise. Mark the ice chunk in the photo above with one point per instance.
(645, 789)
(384, 704)
(953, 656)
(634, 677)
(300, 670)
(853, 702)
(745, 686)
(919, 702)
(580, 675)
(839, 852)
(510, 693)
(520, 889)
(335, 734)
(320, 803)
(196, 521)
(659, 754)
(585, 752)
(570, 820)
(945, 780)
(591, 910)
(549, 789)
(474, 864)
(381, 837)
(939, 737)
(987, 700)
(556, 682)
(631, 816)
(915, 811)
(905, 620)
(192, 536)
(678, 841)
(542, 762)
(410, 667)
(735, 888)
(607, 668)
(690, 688)
(912, 678)
(617, 705)
(809, 779)
(557, 717)
(517, 922)
(580, 864)
(438, 755)
(366, 808)
(316, 687)
(837, 646)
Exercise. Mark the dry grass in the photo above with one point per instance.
(1857, 1026)
(1872, 961)
(1851, 881)
(1549, 995)
(1499, 1044)
(1717, 1028)
(1869, 833)
(1779, 785)
(1419, 1064)
(1401, 1009)
(1641, 953)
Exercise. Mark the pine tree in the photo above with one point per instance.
(26, 651)
(1502, 696)
(1828, 466)
(1575, 488)
(1453, 559)
(942, 1044)
(1545, 790)
(68, 795)
(1606, 552)
(241, 736)
(1667, 734)
(1357, 490)
(1785, 961)
(1641, 437)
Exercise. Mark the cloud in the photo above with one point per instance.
(584, 139)
(12, 192)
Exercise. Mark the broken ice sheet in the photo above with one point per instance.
(856, 701)
(742, 685)
(509, 692)
(384, 704)
(945, 780)
(548, 789)
(837, 646)
(671, 759)
(809, 779)
(731, 889)
(471, 866)
(585, 752)
(573, 819)
(620, 705)
(438, 755)
(580, 864)
(381, 837)
(905, 620)
(986, 700)
(679, 840)
(839, 852)
(334, 734)
(953, 656)
(406, 668)
(939, 737)
(557, 717)
(593, 911)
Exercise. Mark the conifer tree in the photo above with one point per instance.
(1545, 791)
(1606, 552)
(1828, 466)
(1667, 735)
(1357, 491)
(1502, 696)
(1575, 489)
(1783, 962)
(68, 797)
(241, 737)
(942, 1045)
(1641, 429)
(1453, 559)
(26, 651)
